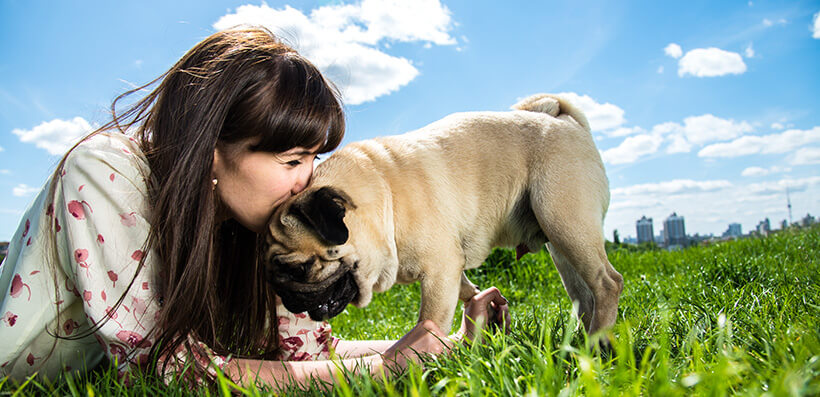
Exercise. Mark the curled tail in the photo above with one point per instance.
(553, 105)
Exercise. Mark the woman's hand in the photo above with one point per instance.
(426, 338)
(487, 307)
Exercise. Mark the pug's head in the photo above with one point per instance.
(308, 263)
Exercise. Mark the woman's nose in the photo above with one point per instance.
(302, 180)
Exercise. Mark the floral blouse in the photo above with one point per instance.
(100, 216)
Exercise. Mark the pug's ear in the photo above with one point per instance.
(324, 210)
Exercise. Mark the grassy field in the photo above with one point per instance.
(735, 318)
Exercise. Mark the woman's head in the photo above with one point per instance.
(237, 108)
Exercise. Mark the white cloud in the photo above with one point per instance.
(698, 130)
(660, 69)
(806, 156)
(767, 22)
(749, 51)
(343, 40)
(793, 185)
(815, 28)
(22, 190)
(710, 62)
(765, 144)
(760, 171)
(778, 126)
(600, 116)
(624, 131)
(632, 149)
(677, 186)
(55, 136)
(673, 50)
(5, 172)
(1, 149)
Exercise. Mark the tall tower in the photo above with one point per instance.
(789, 204)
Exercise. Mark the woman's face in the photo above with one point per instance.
(251, 184)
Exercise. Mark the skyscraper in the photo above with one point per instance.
(674, 231)
(733, 231)
(645, 231)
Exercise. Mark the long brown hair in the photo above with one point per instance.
(234, 86)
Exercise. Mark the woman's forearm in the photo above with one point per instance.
(249, 372)
(359, 348)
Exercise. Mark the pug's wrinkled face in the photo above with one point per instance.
(305, 254)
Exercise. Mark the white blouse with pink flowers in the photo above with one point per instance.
(100, 218)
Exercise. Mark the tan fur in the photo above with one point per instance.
(433, 202)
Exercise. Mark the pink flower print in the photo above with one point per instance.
(50, 209)
(138, 305)
(30, 359)
(282, 323)
(57, 225)
(9, 318)
(133, 339)
(113, 277)
(28, 242)
(102, 294)
(87, 297)
(118, 352)
(28, 226)
(145, 285)
(300, 315)
(301, 356)
(80, 255)
(302, 331)
(100, 239)
(17, 285)
(137, 255)
(76, 210)
(69, 326)
(112, 314)
(80, 189)
(129, 220)
(291, 344)
(34, 272)
(111, 177)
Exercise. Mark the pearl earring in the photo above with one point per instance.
(215, 181)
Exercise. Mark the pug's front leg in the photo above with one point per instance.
(439, 296)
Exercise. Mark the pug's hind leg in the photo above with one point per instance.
(577, 289)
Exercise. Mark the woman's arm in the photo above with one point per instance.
(424, 338)
(361, 348)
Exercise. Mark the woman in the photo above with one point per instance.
(142, 245)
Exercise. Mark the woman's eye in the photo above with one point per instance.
(294, 163)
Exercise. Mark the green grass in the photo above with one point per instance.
(734, 318)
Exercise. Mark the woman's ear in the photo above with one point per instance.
(217, 164)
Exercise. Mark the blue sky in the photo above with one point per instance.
(708, 109)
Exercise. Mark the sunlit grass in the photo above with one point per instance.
(735, 318)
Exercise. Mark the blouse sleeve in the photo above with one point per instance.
(102, 213)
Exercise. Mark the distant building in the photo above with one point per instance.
(807, 221)
(645, 232)
(764, 227)
(784, 225)
(674, 231)
(4, 248)
(733, 230)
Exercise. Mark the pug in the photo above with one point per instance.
(429, 204)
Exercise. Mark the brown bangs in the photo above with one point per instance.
(291, 106)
